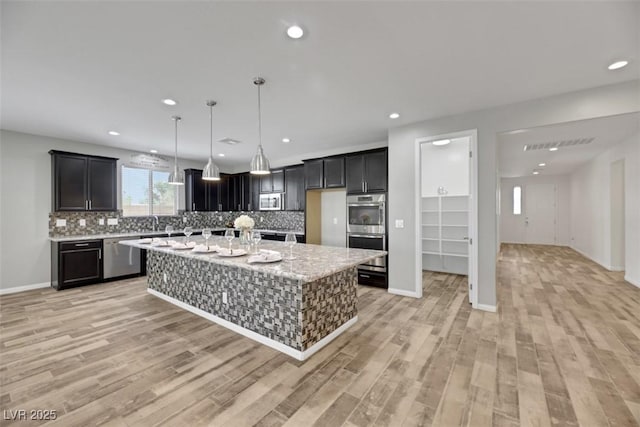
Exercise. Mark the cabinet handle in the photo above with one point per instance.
(99, 253)
(365, 276)
(89, 204)
(366, 186)
(86, 204)
(362, 185)
(193, 206)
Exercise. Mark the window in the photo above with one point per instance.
(146, 192)
(517, 200)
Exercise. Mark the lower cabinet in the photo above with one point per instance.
(372, 278)
(76, 263)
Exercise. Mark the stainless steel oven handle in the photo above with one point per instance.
(366, 204)
(368, 236)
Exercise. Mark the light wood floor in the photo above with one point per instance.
(563, 349)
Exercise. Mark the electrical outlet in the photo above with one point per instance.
(82, 222)
(112, 221)
(224, 298)
(164, 277)
(61, 222)
(335, 220)
(101, 221)
(399, 223)
(184, 219)
(220, 218)
(261, 219)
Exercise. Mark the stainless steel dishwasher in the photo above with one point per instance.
(120, 260)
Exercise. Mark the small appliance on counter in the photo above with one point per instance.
(271, 202)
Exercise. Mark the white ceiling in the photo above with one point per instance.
(606, 131)
(75, 70)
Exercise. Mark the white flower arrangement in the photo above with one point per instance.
(244, 222)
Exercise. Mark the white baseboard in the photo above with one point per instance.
(635, 283)
(297, 354)
(25, 288)
(404, 293)
(586, 255)
(486, 307)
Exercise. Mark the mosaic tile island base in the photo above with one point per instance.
(296, 307)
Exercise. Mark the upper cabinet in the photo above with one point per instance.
(367, 172)
(83, 183)
(295, 194)
(200, 195)
(272, 183)
(324, 173)
(238, 192)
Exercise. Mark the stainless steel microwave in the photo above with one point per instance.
(271, 202)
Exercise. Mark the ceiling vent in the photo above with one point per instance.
(229, 141)
(558, 144)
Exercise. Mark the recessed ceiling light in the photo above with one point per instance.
(542, 165)
(394, 115)
(169, 101)
(536, 172)
(295, 32)
(617, 65)
(113, 133)
(286, 140)
(553, 149)
(153, 151)
(220, 155)
(442, 142)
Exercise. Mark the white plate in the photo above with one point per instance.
(145, 241)
(235, 253)
(263, 261)
(205, 251)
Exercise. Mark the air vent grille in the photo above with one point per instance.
(229, 141)
(558, 144)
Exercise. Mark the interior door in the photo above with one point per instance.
(540, 214)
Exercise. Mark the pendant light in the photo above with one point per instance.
(259, 163)
(176, 177)
(211, 171)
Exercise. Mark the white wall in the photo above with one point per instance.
(404, 176)
(333, 207)
(446, 166)
(25, 190)
(591, 207)
(512, 227)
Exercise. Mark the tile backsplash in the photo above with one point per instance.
(114, 222)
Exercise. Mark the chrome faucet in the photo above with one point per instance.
(156, 222)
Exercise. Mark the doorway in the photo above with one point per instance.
(617, 215)
(447, 206)
(541, 212)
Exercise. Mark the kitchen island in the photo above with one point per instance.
(296, 307)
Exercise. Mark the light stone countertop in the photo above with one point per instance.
(312, 261)
(149, 234)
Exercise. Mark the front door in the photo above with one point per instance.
(540, 210)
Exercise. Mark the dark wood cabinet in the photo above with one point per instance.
(200, 195)
(334, 172)
(294, 196)
(366, 172)
(324, 173)
(76, 263)
(239, 192)
(272, 183)
(314, 174)
(255, 192)
(83, 183)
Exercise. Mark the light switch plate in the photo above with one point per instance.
(82, 222)
(399, 223)
(61, 222)
(335, 220)
(101, 221)
(112, 221)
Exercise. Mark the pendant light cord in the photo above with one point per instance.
(259, 119)
(211, 133)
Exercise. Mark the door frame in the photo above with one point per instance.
(472, 134)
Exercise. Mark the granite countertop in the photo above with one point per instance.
(312, 261)
(151, 234)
